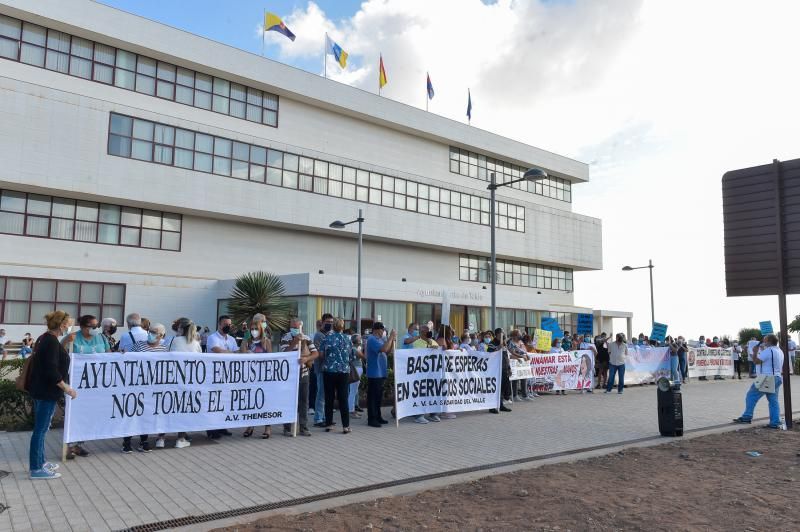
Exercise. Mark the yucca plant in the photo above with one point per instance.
(260, 293)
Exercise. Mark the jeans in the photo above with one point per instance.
(674, 365)
(612, 373)
(319, 402)
(683, 365)
(302, 405)
(374, 399)
(753, 397)
(737, 367)
(354, 390)
(337, 387)
(42, 416)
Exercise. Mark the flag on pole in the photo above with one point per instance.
(382, 75)
(469, 105)
(430, 88)
(336, 51)
(273, 22)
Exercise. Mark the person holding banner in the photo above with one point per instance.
(601, 343)
(49, 375)
(337, 354)
(618, 354)
(770, 364)
(295, 340)
(378, 370)
(497, 343)
(221, 342)
(257, 341)
(517, 351)
(185, 341)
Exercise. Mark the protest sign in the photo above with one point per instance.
(659, 332)
(151, 393)
(551, 324)
(570, 370)
(520, 369)
(585, 324)
(766, 327)
(543, 339)
(646, 364)
(709, 362)
(432, 381)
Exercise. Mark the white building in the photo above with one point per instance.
(145, 168)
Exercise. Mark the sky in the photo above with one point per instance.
(659, 98)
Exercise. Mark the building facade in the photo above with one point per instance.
(145, 168)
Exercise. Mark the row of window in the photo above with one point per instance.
(26, 301)
(54, 50)
(475, 268)
(159, 143)
(479, 166)
(87, 221)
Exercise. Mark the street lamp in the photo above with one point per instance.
(533, 174)
(650, 267)
(341, 225)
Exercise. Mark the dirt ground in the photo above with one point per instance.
(706, 483)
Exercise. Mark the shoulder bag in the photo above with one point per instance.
(23, 380)
(766, 383)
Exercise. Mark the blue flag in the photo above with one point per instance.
(469, 105)
(430, 88)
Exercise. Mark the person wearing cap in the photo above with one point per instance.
(378, 344)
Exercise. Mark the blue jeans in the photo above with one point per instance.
(674, 366)
(612, 372)
(354, 390)
(42, 416)
(319, 403)
(753, 397)
(684, 366)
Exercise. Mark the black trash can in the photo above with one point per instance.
(670, 408)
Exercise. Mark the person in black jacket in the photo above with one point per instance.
(48, 383)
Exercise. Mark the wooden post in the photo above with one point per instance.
(781, 278)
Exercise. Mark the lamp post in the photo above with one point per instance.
(341, 225)
(533, 174)
(650, 267)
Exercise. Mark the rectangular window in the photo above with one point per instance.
(516, 273)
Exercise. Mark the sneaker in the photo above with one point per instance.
(50, 466)
(381, 421)
(619, 393)
(435, 418)
(126, 448)
(607, 391)
(355, 415)
(181, 443)
(421, 420)
(524, 398)
(44, 474)
(505, 409)
(160, 443)
(771, 426)
(535, 395)
(288, 433)
(304, 432)
(743, 420)
(144, 447)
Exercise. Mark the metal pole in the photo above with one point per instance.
(784, 339)
(493, 259)
(652, 303)
(360, 248)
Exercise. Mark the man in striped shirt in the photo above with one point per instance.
(153, 343)
(296, 340)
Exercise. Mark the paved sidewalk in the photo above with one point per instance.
(111, 491)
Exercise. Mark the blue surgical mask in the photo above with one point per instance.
(415, 334)
(455, 339)
(151, 338)
(295, 331)
(487, 340)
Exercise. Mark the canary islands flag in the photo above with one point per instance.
(336, 51)
(273, 22)
(382, 75)
(430, 88)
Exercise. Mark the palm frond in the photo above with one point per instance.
(260, 293)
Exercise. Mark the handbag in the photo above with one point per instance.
(353, 373)
(23, 380)
(766, 383)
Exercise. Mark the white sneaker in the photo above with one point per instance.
(434, 418)
(160, 443)
(534, 395)
(181, 443)
(421, 420)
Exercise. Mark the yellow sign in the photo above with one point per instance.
(543, 339)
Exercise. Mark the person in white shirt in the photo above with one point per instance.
(4, 341)
(751, 345)
(618, 354)
(135, 333)
(770, 362)
(221, 342)
(792, 350)
(736, 357)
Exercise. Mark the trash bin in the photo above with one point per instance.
(670, 408)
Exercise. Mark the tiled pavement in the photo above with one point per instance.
(110, 491)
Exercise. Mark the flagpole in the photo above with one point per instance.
(325, 56)
(380, 62)
(427, 96)
(263, 32)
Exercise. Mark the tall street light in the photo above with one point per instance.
(533, 174)
(650, 267)
(341, 225)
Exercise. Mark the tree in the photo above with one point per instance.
(746, 333)
(260, 293)
(794, 326)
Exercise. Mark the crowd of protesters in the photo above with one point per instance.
(329, 360)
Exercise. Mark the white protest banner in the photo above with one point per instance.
(709, 362)
(646, 364)
(151, 393)
(520, 369)
(570, 370)
(431, 381)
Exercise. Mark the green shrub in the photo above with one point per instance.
(16, 407)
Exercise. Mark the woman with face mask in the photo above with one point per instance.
(184, 341)
(257, 341)
(109, 327)
(89, 339)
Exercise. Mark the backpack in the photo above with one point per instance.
(23, 381)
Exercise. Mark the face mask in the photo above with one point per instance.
(96, 331)
(151, 338)
(487, 340)
(455, 339)
(326, 327)
(295, 331)
(255, 333)
(112, 329)
(226, 329)
(415, 334)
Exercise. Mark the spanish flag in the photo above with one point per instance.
(382, 75)
(273, 22)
